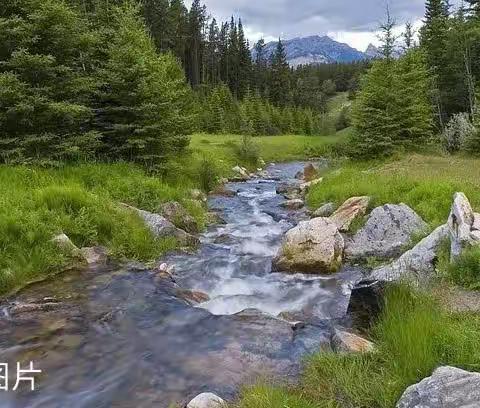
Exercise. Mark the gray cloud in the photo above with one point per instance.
(290, 18)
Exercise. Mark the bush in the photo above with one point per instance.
(457, 133)
(248, 151)
(208, 174)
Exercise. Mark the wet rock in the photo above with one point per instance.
(326, 210)
(162, 228)
(313, 246)
(95, 255)
(418, 264)
(305, 187)
(310, 172)
(299, 175)
(164, 271)
(388, 230)
(448, 387)
(214, 218)
(224, 239)
(346, 342)
(223, 191)
(206, 400)
(20, 308)
(462, 225)
(366, 304)
(290, 189)
(193, 296)
(295, 204)
(351, 209)
(179, 216)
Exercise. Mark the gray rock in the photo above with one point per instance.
(325, 210)
(314, 246)
(162, 228)
(305, 187)
(64, 243)
(388, 230)
(448, 387)
(295, 204)
(241, 173)
(206, 400)
(418, 264)
(351, 209)
(179, 216)
(95, 255)
(462, 225)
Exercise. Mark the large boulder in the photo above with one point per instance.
(179, 216)
(388, 230)
(206, 400)
(448, 387)
(162, 228)
(418, 264)
(314, 246)
(463, 224)
(349, 211)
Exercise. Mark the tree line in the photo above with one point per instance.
(429, 91)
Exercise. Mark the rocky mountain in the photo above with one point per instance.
(373, 52)
(317, 50)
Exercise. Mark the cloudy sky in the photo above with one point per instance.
(350, 21)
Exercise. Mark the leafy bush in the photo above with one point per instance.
(208, 174)
(457, 133)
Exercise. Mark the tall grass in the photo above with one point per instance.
(82, 202)
(413, 337)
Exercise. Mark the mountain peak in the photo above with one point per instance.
(316, 49)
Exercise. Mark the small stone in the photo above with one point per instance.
(345, 342)
(223, 191)
(179, 216)
(294, 204)
(206, 400)
(95, 255)
(325, 210)
(193, 296)
(310, 172)
(305, 187)
(64, 243)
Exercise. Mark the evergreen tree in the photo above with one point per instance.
(144, 100)
(260, 76)
(195, 46)
(280, 76)
(244, 62)
(213, 54)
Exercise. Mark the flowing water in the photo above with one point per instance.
(123, 336)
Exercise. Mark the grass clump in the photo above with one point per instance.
(82, 202)
(413, 337)
(465, 270)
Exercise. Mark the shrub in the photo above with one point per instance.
(247, 151)
(208, 174)
(457, 132)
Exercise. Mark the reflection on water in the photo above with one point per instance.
(120, 336)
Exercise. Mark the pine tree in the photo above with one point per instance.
(144, 102)
(212, 52)
(280, 76)
(45, 84)
(260, 67)
(195, 45)
(244, 62)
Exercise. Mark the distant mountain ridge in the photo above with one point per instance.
(317, 50)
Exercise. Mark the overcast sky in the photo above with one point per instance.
(350, 21)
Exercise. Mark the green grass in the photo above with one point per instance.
(425, 183)
(464, 271)
(82, 202)
(413, 337)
